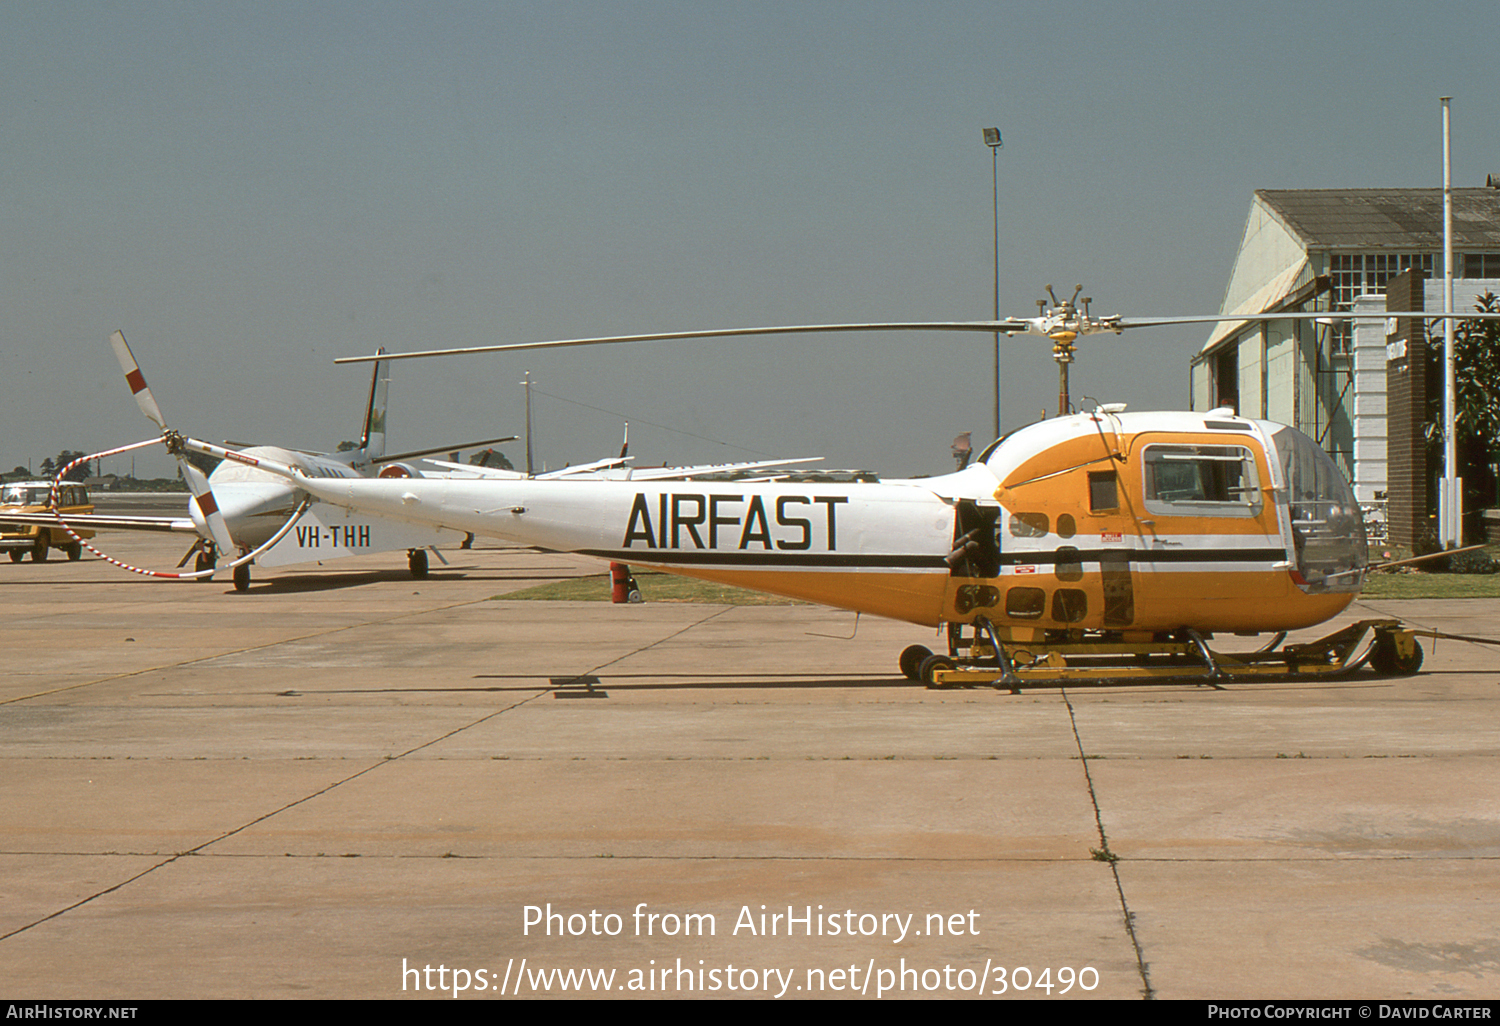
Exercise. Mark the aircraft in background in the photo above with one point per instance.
(238, 509)
(249, 515)
(614, 469)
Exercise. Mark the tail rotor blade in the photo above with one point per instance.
(137, 381)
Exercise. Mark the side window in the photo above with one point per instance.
(1028, 525)
(1025, 603)
(1104, 492)
(1201, 480)
(1069, 605)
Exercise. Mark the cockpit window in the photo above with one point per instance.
(1328, 530)
(1202, 480)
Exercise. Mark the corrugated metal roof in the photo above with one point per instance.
(1397, 219)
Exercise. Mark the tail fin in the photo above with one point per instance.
(372, 439)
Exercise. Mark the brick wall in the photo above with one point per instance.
(1406, 396)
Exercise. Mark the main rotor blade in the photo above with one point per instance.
(1008, 327)
(137, 381)
(443, 448)
(1304, 315)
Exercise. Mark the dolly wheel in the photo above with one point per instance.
(911, 661)
(931, 665)
(1388, 659)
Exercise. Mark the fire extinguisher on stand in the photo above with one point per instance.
(622, 586)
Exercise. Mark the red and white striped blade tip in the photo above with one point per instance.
(136, 380)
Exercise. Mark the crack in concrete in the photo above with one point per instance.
(199, 849)
(1110, 857)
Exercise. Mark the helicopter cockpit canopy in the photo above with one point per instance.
(1328, 530)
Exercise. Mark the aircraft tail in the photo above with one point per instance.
(372, 439)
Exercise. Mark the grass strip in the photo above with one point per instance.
(655, 587)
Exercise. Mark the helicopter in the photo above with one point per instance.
(253, 513)
(1102, 545)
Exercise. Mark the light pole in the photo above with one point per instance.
(992, 140)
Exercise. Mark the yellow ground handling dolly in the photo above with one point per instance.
(1010, 658)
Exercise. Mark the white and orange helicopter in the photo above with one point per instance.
(1104, 545)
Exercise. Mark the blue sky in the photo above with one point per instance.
(249, 190)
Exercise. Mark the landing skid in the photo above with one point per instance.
(1004, 659)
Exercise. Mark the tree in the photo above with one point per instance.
(52, 464)
(205, 463)
(78, 473)
(491, 458)
(1476, 377)
(1476, 415)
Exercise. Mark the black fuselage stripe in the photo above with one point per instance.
(1052, 556)
(714, 557)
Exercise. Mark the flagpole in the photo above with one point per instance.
(1450, 502)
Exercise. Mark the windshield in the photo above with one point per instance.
(1328, 530)
(15, 495)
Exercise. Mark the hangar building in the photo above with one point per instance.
(1324, 249)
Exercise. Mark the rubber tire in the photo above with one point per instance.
(1387, 662)
(933, 663)
(204, 562)
(16, 555)
(75, 551)
(416, 562)
(242, 577)
(911, 661)
(39, 552)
